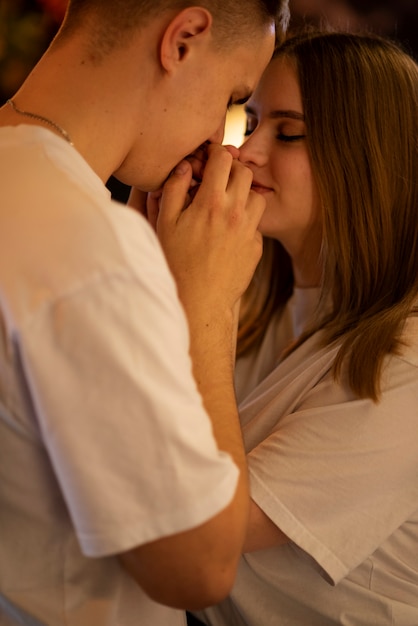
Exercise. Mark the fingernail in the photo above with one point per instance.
(181, 168)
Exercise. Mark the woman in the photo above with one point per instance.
(327, 370)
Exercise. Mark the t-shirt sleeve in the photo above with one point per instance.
(111, 387)
(339, 474)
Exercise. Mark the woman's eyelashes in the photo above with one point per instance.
(289, 138)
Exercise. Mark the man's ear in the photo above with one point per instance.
(189, 28)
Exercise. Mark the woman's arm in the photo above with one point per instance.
(262, 532)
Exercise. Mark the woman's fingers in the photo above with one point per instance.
(174, 194)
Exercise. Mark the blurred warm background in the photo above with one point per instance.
(26, 28)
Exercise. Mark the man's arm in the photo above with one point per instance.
(212, 248)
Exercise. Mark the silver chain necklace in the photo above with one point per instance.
(41, 118)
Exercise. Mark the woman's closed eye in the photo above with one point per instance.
(286, 135)
(289, 131)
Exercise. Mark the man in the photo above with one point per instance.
(119, 497)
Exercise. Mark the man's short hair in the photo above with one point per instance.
(114, 20)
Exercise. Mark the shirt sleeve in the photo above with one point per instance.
(111, 387)
(339, 474)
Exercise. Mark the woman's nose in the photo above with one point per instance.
(253, 150)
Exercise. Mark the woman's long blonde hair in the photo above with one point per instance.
(360, 99)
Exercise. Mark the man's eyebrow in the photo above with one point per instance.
(295, 115)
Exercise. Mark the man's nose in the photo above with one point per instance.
(218, 135)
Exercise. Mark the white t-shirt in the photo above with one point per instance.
(104, 441)
(339, 476)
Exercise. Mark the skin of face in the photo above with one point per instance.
(191, 106)
(277, 153)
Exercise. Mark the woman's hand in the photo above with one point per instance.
(211, 241)
(148, 203)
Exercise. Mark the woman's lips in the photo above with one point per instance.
(260, 188)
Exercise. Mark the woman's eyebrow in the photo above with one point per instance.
(295, 115)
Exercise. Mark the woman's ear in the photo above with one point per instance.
(188, 29)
